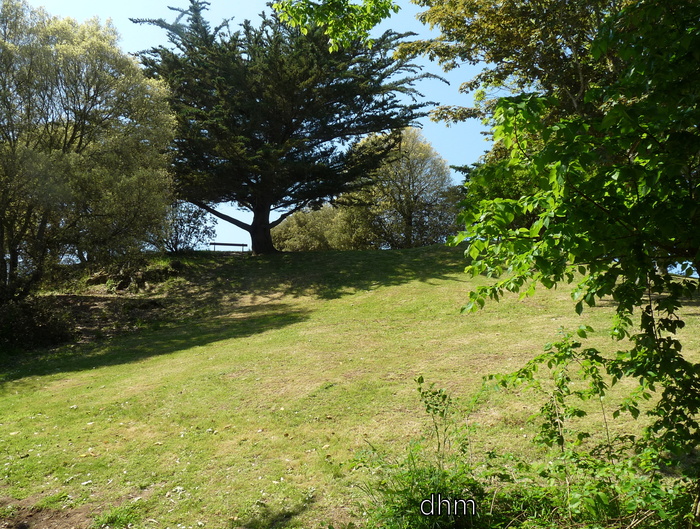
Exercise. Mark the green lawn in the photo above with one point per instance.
(247, 404)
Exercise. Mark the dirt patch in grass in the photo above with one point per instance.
(15, 514)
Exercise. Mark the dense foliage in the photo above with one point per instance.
(327, 228)
(618, 203)
(266, 114)
(82, 136)
(342, 20)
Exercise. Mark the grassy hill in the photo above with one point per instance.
(245, 389)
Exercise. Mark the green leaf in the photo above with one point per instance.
(474, 251)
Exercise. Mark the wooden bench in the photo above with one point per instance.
(236, 244)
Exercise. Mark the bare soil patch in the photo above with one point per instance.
(27, 517)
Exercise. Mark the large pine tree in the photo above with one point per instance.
(267, 114)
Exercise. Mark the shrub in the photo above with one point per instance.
(33, 323)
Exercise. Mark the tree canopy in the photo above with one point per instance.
(82, 137)
(266, 114)
(411, 201)
(342, 20)
(539, 46)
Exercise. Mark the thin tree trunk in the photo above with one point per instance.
(3, 266)
(41, 250)
(408, 241)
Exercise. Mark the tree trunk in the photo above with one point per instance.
(408, 241)
(260, 236)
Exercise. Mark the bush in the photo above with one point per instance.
(327, 228)
(33, 323)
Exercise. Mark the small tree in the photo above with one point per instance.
(412, 201)
(187, 227)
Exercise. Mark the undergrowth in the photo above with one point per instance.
(439, 483)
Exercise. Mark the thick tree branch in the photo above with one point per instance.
(222, 216)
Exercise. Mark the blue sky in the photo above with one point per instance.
(460, 144)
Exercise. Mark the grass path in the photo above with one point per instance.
(250, 411)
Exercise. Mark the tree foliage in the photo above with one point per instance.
(618, 196)
(327, 228)
(493, 177)
(266, 113)
(186, 228)
(412, 201)
(539, 45)
(542, 45)
(342, 20)
(82, 135)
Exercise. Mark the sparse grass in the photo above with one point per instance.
(60, 500)
(121, 516)
(246, 403)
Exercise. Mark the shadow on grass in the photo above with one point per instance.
(325, 275)
(246, 321)
(265, 517)
(691, 307)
